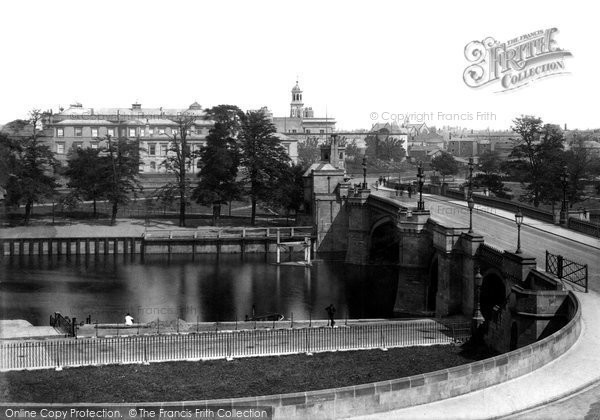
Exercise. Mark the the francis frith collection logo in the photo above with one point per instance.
(514, 63)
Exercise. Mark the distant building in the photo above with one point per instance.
(301, 122)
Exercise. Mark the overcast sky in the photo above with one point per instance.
(352, 59)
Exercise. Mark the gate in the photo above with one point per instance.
(567, 270)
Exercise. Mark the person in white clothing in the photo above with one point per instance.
(128, 319)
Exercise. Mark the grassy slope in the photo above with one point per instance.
(222, 379)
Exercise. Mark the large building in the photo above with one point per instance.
(77, 127)
(301, 122)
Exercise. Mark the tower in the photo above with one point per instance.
(296, 106)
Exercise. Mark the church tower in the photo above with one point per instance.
(296, 106)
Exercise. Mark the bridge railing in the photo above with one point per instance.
(225, 344)
(491, 255)
(589, 228)
(504, 204)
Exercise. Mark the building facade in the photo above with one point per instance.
(154, 128)
(301, 122)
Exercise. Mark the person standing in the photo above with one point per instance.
(330, 314)
(128, 319)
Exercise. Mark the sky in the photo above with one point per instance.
(359, 62)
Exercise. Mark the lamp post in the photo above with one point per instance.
(470, 177)
(477, 319)
(364, 166)
(471, 204)
(420, 176)
(564, 179)
(519, 221)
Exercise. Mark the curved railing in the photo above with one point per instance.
(418, 389)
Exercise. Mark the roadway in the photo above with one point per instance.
(499, 230)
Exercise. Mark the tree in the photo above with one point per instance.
(537, 158)
(445, 164)
(179, 158)
(381, 146)
(580, 164)
(309, 151)
(263, 158)
(119, 167)
(220, 159)
(491, 176)
(85, 173)
(31, 165)
(288, 194)
(353, 153)
(391, 150)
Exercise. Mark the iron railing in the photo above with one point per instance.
(588, 228)
(64, 325)
(567, 270)
(504, 204)
(32, 354)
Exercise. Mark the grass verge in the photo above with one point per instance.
(221, 379)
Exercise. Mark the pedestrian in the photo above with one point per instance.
(330, 313)
(128, 319)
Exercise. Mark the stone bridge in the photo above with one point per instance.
(443, 266)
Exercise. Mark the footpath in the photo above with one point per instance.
(575, 370)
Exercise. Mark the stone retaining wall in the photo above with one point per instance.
(419, 389)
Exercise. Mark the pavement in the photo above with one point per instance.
(576, 370)
(19, 328)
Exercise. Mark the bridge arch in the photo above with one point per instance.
(384, 241)
(494, 291)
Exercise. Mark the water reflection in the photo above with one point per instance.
(206, 288)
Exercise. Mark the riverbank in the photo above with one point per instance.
(178, 381)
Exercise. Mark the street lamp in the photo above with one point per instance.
(470, 177)
(519, 221)
(564, 179)
(364, 166)
(421, 177)
(477, 319)
(471, 204)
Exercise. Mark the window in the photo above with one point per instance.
(163, 149)
(161, 131)
(152, 149)
(153, 165)
(307, 131)
(174, 131)
(60, 132)
(123, 132)
(60, 148)
(94, 145)
(151, 131)
(322, 131)
(111, 132)
(77, 145)
(94, 132)
(132, 132)
(78, 132)
(293, 131)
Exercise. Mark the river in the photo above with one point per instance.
(207, 288)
